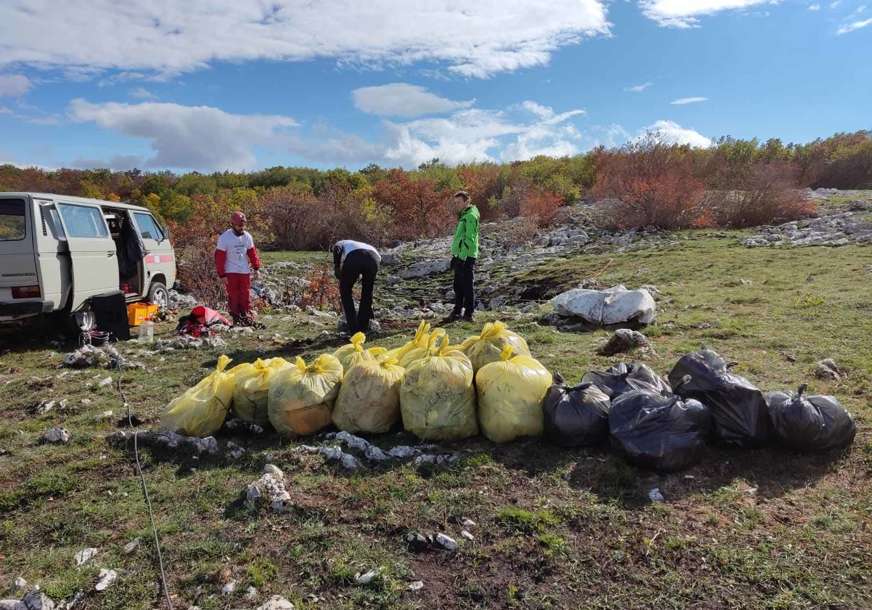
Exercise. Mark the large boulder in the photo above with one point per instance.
(425, 268)
(615, 305)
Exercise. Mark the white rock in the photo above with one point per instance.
(85, 555)
(269, 489)
(228, 588)
(276, 602)
(105, 382)
(106, 578)
(131, 546)
(467, 535)
(251, 594)
(446, 542)
(20, 583)
(655, 496)
(416, 585)
(366, 577)
(613, 306)
(467, 523)
(56, 435)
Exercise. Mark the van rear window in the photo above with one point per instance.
(13, 225)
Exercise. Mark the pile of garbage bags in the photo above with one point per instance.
(490, 383)
(664, 424)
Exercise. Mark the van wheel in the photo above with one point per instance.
(74, 324)
(159, 295)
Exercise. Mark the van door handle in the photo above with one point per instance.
(110, 254)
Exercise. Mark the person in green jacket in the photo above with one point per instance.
(464, 252)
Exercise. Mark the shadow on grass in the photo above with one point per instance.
(770, 472)
(767, 473)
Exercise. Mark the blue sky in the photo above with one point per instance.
(230, 84)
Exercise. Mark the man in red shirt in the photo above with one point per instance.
(236, 260)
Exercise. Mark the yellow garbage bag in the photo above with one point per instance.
(437, 396)
(487, 346)
(369, 399)
(301, 396)
(510, 395)
(422, 351)
(201, 410)
(250, 398)
(354, 352)
(421, 339)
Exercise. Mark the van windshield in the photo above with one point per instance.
(12, 222)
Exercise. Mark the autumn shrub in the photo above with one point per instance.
(418, 207)
(194, 244)
(540, 206)
(758, 194)
(649, 184)
(320, 291)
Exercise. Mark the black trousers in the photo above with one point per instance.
(464, 286)
(358, 264)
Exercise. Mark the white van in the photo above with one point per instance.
(56, 252)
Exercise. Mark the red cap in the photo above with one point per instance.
(237, 218)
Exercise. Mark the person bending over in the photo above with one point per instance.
(353, 260)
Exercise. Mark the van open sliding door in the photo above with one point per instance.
(93, 258)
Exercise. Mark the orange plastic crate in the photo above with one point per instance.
(137, 313)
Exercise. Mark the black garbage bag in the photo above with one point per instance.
(577, 416)
(622, 378)
(810, 423)
(738, 408)
(664, 433)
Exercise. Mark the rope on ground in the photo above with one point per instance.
(163, 576)
(603, 270)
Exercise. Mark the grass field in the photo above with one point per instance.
(554, 528)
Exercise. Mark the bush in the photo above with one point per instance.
(761, 194)
(650, 184)
(418, 208)
(540, 206)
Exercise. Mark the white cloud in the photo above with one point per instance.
(520, 132)
(638, 88)
(189, 137)
(814, 7)
(669, 132)
(5, 110)
(14, 85)
(141, 93)
(688, 100)
(404, 100)
(686, 13)
(48, 119)
(331, 146)
(472, 39)
(854, 26)
(117, 162)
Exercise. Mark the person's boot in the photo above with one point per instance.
(468, 317)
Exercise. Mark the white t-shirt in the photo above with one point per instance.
(236, 247)
(347, 246)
